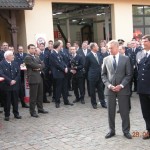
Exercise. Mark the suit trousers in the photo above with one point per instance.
(99, 86)
(36, 97)
(123, 101)
(61, 88)
(78, 87)
(11, 97)
(145, 106)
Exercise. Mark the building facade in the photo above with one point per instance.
(128, 18)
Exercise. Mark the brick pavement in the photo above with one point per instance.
(79, 127)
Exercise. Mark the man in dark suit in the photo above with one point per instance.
(93, 68)
(19, 58)
(10, 71)
(34, 68)
(83, 52)
(59, 71)
(143, 88)
(44, 54)
(116, 75)
(4, 48)
(77, 78)
(132, 52)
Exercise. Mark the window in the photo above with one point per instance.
(141, 21)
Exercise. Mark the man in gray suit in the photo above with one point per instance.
(116, 75)
(34, 69)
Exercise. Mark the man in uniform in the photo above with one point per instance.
(34, 68)
(143, 88)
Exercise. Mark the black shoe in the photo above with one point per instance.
(69, 95)
(18, 117)
(109, 135)
(57, 105)
(34, 115)
(6, 118)
(118, 111)
(43, 111)
(128, 135)
(1, 111)
(46, 101)
(94, 106)
(82, 101)
(76, 100)
(25, 106)
(146, 136)
(104, 105)
(68, 104)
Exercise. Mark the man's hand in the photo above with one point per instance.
(66, 70)
(112, 88)
(73, 71)
(118, 88)
(12, 82)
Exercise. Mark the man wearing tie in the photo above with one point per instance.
(34, 68)
(116, 75)
(59, 71)
(10, 71)
(143, 82)
(93, 68)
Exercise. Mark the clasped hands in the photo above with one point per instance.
(72, 71)
(116, 88)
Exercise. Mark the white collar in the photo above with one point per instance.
(56, 51)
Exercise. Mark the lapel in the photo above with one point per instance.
(95, 58)
(7, 64)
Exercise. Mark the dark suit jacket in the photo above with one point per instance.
(143, 80)
(132, 55)
(10, 73)
(122, 75)
(57, 65)
(81, 53)
(77, 63)
(32, 63)
(19, 59)
(92, 67)
(1, 55)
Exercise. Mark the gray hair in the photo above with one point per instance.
(7, 53)
(113, 42)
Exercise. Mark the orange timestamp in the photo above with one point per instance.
(140, 134)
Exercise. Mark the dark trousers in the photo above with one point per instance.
(145, 106)
(44, 87)
(36, 96)
(61, 88)
(123, 101)
(135, 74)
(85, 80)
(78, 87)
(99, 86)
(11, 97)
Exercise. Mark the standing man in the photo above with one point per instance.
(77, 78)
(116, 75)
(143, 81)
(93, 68)
(132, 52)
(59, 70)
(19, 58)
(34, 68)
(10, 71)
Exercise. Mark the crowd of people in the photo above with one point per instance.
(111, 70)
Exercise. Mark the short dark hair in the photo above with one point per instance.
(92, 45)
(30, 45)
(50, 41)
(56, 44)
(146, 37)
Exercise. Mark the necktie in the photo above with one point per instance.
(146, 54)
(96, 58)
(114, 63)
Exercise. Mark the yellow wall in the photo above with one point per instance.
(39, 21)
